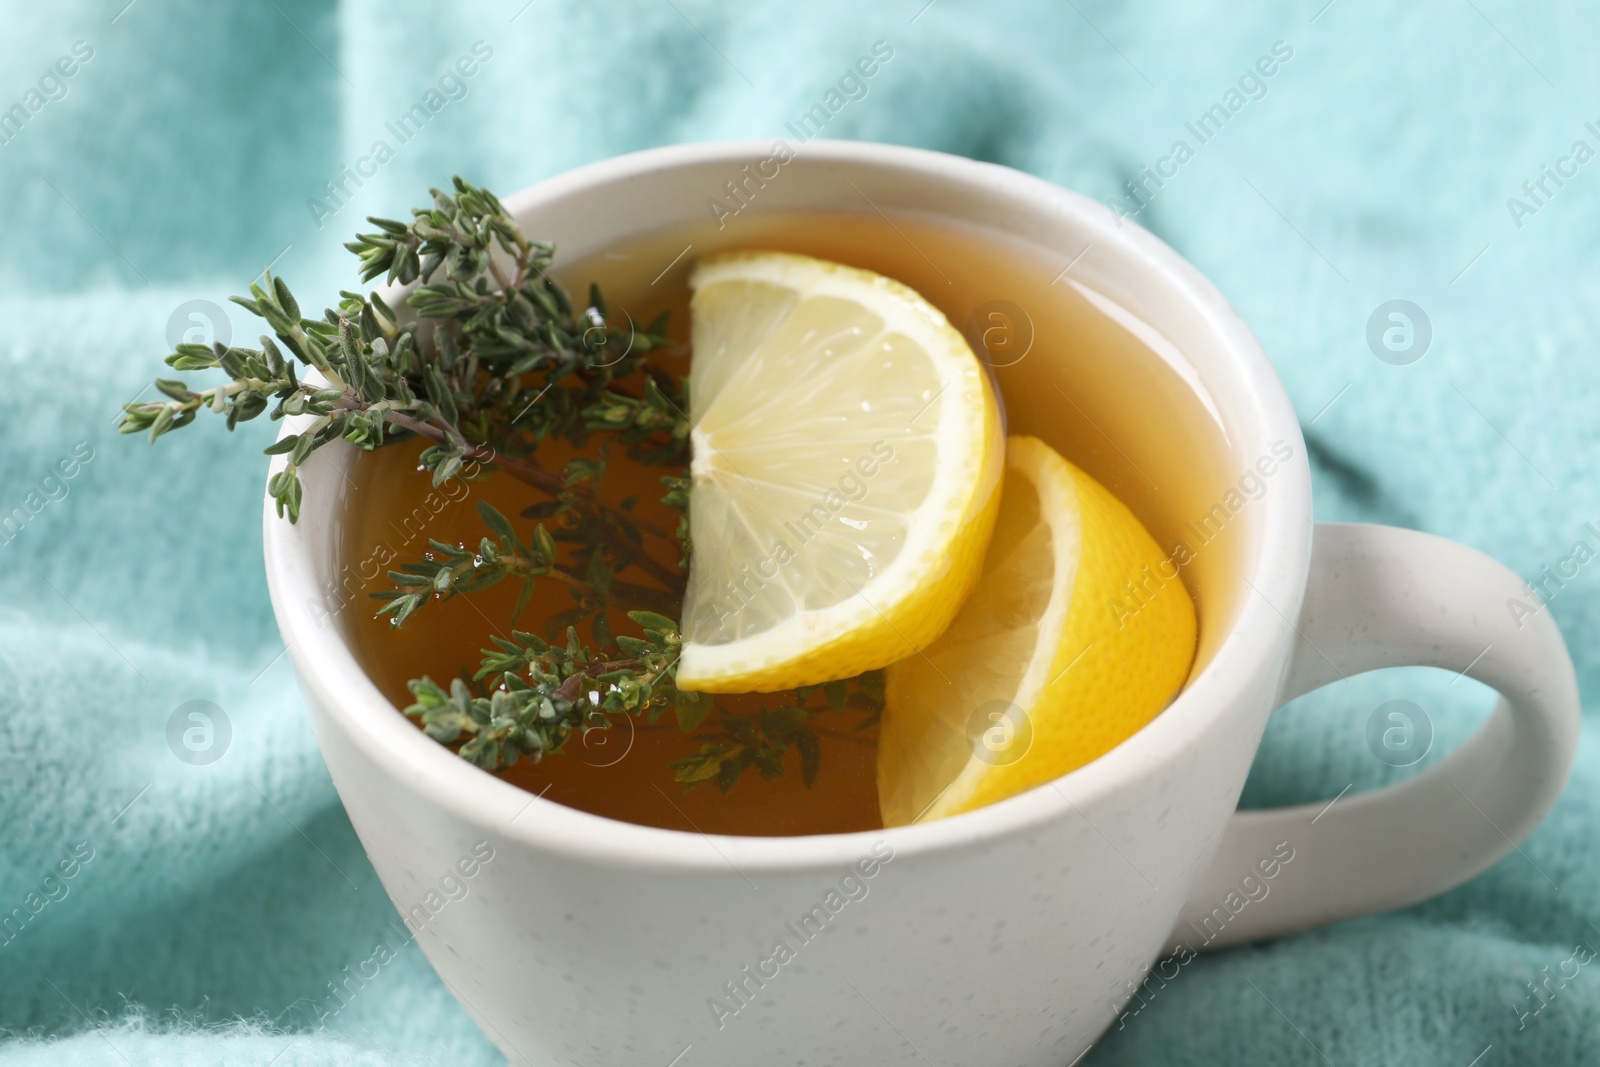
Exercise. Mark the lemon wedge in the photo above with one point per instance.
(1079, 632)
(847, 457)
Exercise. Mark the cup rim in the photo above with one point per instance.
(1255, 643)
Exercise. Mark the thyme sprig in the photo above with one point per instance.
(448, 570)
(530, 696)
(495, 360)
(762, 740)
(541, 694)
(486, 359)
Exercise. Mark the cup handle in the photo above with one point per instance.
(1379, 596)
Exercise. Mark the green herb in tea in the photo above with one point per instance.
(495, 360)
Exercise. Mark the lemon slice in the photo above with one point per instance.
(847, 456)
(1079, 632)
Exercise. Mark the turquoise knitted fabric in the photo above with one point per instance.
(163, 152)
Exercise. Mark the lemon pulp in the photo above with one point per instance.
(1079, 632)
(847, 455)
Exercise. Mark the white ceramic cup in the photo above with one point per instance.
(1011, 934)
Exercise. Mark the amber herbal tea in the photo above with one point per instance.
(1068, 367)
